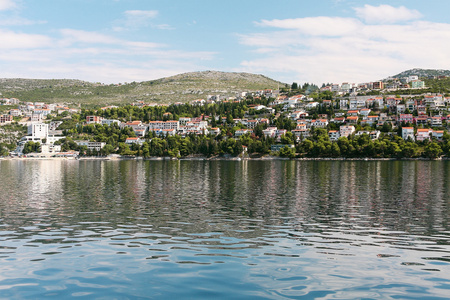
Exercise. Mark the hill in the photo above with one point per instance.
(423, 73)
(182, 88)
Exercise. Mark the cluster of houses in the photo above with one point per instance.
(348, 112)
(183, 127)
(409, 82)
(47, 134)
(31, 111)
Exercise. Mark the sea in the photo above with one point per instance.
(138, 229)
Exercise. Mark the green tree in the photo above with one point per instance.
(287, 152)
(433, 150)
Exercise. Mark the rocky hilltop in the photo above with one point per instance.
(183, 87)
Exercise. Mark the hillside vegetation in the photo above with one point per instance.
(182, 88)
(423, 73)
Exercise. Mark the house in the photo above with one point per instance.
(407, 118)
(134, 140)
(93, 120)
(343, 104)
(378, 85)
(423, 134)
(311, 105)
(50, 148)
(352, 112)
(270, 132)
(436, 121)
(182, 121)
(140, 131)
(162, 124)
(401, 108)
(421, 110)
(421, 120)
(280, 132)
(326, 103)
(242, 132)
(92, 146)
(110, 122)
(408, 132)
(6, 119)
(301, 133)
(438, 134)
(214, 130)
(346, 131)
(264, 121)
(334, 135)
(198, 102)
(15, 112)
(298, 114)
(411, 104)
(168, 132)
(352, 119)
(365, 112)
(36, 117)
(278, 147)
(321, 123)
(132, 124)
(251, 124)
(370, 120)
(373, 135)
(338, 120)
(434, 102)
(379, 101)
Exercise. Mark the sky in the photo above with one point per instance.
(322, 41)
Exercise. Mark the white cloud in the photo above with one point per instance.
(18, 21)
(137, 19)
(329, 26)
(325, 49)
(386, 14)
(141, 14)
(13, 40)
(81, 36)
(164, 27)
(92, 56)
(7, 4)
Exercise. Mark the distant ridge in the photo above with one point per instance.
(182, 87)
(423, 73)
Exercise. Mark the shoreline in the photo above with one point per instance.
(199, 158)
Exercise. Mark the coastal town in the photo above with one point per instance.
(377, 119)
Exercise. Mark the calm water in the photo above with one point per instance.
(223, 229)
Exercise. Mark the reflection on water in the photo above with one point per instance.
(224, 229)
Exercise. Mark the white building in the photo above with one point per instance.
(346, 130)
(334, 135)
(97, 146)
(408, 132)
(38, 130)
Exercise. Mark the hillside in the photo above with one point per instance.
(423, 73)
(182, 88)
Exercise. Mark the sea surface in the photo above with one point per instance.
(224, 229)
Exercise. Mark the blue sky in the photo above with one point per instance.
(114, 41)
